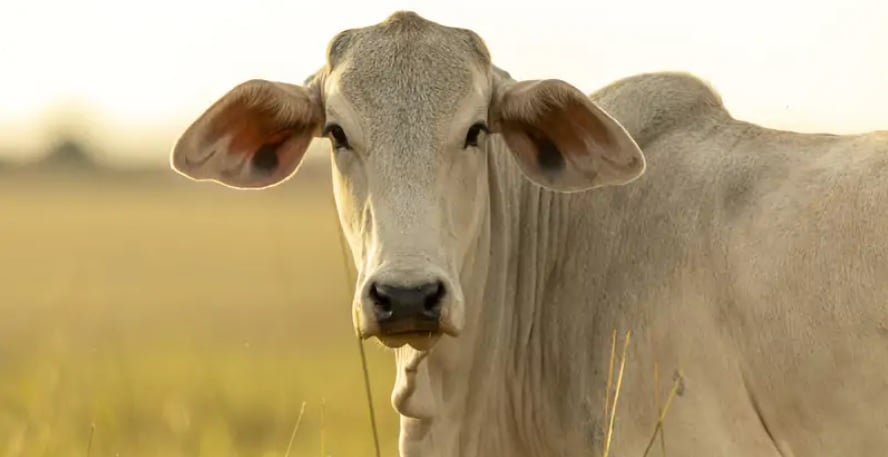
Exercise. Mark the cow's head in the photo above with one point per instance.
(410, 107)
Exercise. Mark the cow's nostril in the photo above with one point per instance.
(432, 303)
(382, 306)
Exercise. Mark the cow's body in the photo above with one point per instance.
(751, 260)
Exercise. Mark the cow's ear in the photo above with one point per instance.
(255, 136)
(561, 139)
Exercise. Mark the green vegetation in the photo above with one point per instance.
(180, 319)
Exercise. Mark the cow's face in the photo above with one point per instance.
(410, 108)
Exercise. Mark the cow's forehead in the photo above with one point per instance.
(406, 69)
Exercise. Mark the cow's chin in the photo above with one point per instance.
(420, 341)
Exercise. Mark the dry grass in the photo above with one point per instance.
(180, 319)
(295, 429)
(610, 404)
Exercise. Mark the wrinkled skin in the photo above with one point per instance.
(535, 227)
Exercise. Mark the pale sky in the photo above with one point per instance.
(144, 70)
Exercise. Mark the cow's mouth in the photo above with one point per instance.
(409, 325)
(420, 336)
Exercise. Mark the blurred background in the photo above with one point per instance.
(145, 315)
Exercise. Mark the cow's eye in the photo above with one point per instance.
(337, 136)
(473, 133)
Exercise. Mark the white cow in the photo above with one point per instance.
(754, 260)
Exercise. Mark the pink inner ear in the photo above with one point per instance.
(267, 157)
(553, 134)
(575, 128)
(272, 144)
(558, 134)
(276, 140)
(248, 127)
(562, 138)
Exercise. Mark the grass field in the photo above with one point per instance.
(179, 319)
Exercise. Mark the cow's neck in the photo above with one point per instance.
(509, 366)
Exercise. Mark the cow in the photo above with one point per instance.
(504, 229)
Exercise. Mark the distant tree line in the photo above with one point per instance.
(70, 154)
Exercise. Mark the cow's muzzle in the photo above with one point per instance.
(399, 309)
